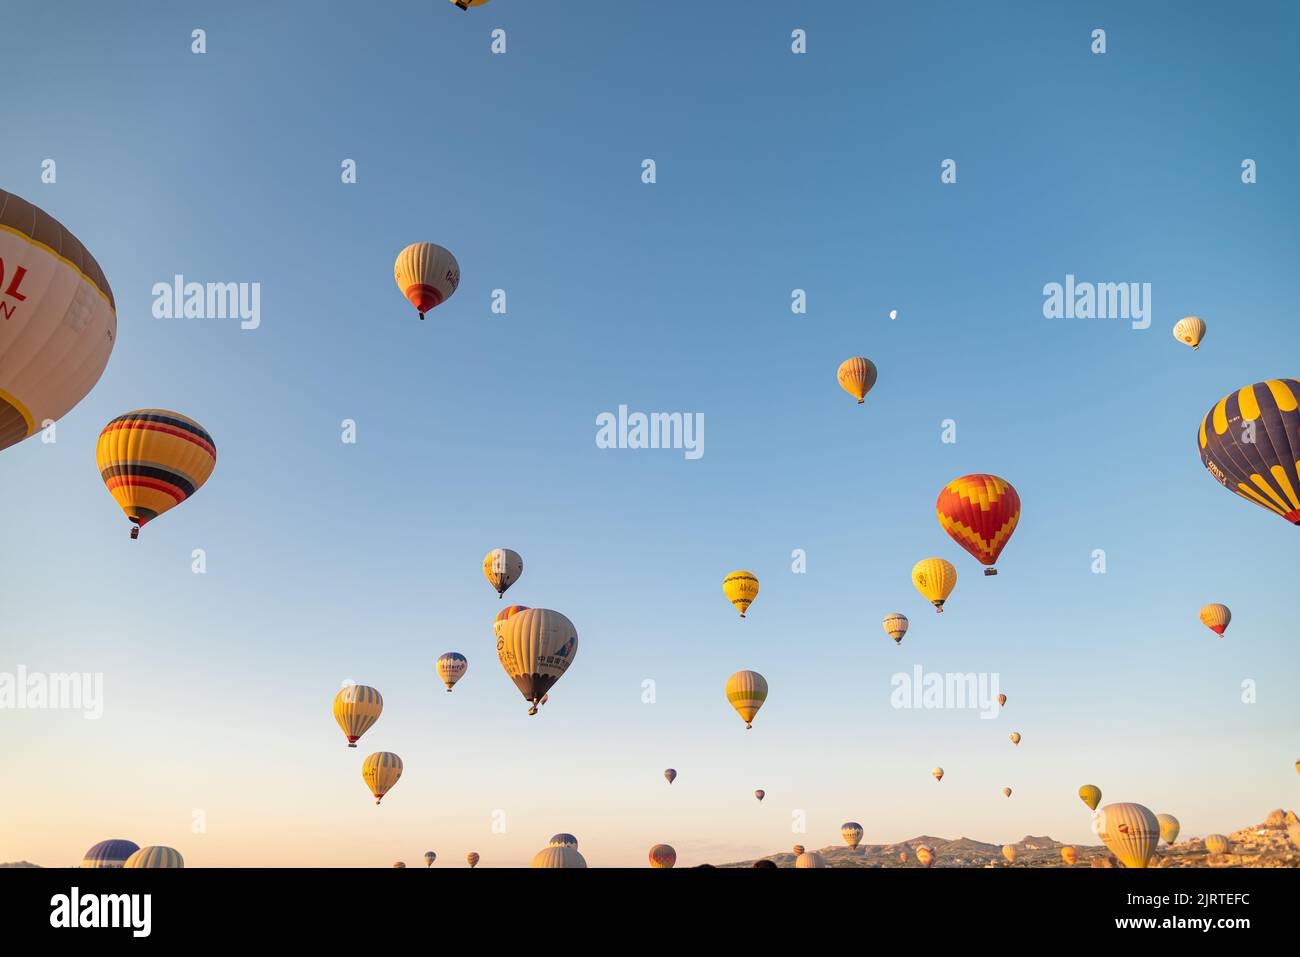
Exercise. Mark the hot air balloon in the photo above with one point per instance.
(112, 853)
(661, 855)
(563, 839)
(151, 460)
(670, 775)
(472, 859)
(1002, 700)
(979, 512)
(741, 588)
(58, 320)
(536, 647)
(502, 568)
(896, 626)
(851, 831)
(399, 864)
(925, 855)
(466, 4)
(798, 849)
(760, 794)
(155, 856)
(747, 690)
(380, 771)
(1015, 737)
(429, 858)
(938, 774)
(1217, 844)
(1216, 618)
(1257, 460)
(1009, 852)
(1090, 795)
(452, 667)
(1190, 330)
(934, 578)
(902, 857)
(559, 855)
(810, 859)
(1069, 855)
(1006, 792)
(1130, 831)
(427, 274)
(504, 615)
(1169, 827)
(856, 377)
(356, 708)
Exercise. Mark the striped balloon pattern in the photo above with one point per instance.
(380, 771)
(1130, 831)
(896, 626)
(856, 376)
(151, 460)
(156, 856)
(662, 855)
(1250, 443)
(810, 859)
(741, 588)
(112, 853)
(536, 648)
(504, 615)
(1216, 617)
(1217, 844)
(979, 512)
(356, 709)
(452, 667)
(559, 855)
(427, 274)
(747, 690)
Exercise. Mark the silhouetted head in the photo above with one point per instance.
(765, 863)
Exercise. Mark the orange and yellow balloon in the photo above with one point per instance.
(380, 771)
(896, 626)
(856, 377)
(151, 460)
(427, 274)
(979, 512)
(662, 856)
(1216, 618)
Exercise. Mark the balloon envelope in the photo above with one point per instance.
(156, 856)
(810, 859)
(661, 855)
(559, 855)
(1190, 330)
(896, 626)
(670, 775)
(563, 839)
(1216, 617)
(151, 460)
(356, 709)
(851, 831)
(1069, 855)
(979, 512)
(741, 588)
(536, 647)
(856, 376)
(427, 274)
(380, 771)
(452, 667)
(1258, 463)
(502, 568)
(1169, 827)
(747, 690)
(112, 853)
(1130, 831)
(934, 578)
(58, 320)
(1090, 794)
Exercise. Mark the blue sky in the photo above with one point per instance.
(775, 172)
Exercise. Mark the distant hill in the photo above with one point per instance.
(20, 864)
(1264, 845)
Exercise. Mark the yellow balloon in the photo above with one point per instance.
(502, 567)
(1015, 737)
(536, 647)
(1069, 855)
(851, 831)
(1216, 617)
(156, 856)
(1009, 852)
(151, 460)
(747, 690)
(563, 857)
(466, 4)
(1006, 792)
(356, 709)
(380, 771)
(741, 588)
(934, 578)
(1090, 794)
(57, 320)
(925, 855)
(856, 377)
(1169, 827)
(938, 774)
(896, 626)
(1190, 330)
(1130, 831)
(1214, 843)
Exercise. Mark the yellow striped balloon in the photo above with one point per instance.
(747, 690)
(1070, 855)
(810, 859)
(561, 856)
(427, 274)
(662, 856)
(1130, 831)
(502, 566)
(856, 376)
(1190, 330)
(934, 578)
(741, 588)
(356, 709)
(1169, 827)
(1009, 852)
(380, 771)
(1250, 443)
(798, 849)
(57, 319)
(151, 460)
(896, 626)
(851, 831)
(1216, 618)
(536, 647)
(156, 856)
(1217, 844)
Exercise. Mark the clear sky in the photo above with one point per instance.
(328, 561)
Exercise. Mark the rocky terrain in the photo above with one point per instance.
(1263, 845)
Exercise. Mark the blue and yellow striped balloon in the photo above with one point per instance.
(1250, 443)
(151, 460)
